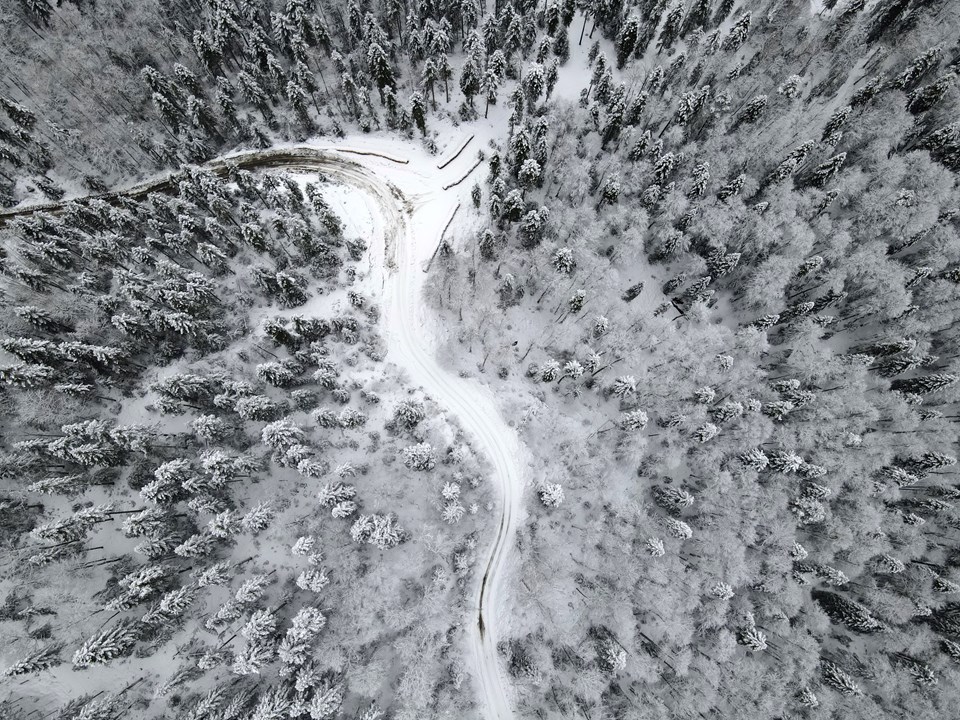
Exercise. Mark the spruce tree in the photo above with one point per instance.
(847, 612)
(36, 662)
(925, 385)
(418, 111)
(834, 676)
(106, 645)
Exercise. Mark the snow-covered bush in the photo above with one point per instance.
(420, 457)
(551, 494)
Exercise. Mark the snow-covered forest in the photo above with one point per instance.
(410, 359)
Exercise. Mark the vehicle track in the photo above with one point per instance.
(410, 348)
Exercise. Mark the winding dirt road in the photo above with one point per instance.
(408, 203)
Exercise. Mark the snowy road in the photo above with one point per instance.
(414, 206)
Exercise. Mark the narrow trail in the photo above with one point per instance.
(409, 202)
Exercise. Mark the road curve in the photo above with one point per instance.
(408, 239)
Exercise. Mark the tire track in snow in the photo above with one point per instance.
(473, 403)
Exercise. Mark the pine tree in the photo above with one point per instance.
(250, 661)
(106, 645)
(611, 657)
(698, 18)
(951, 648)
(408, 414)
(529, 174)
(32, 350)
(36, 662)
(28, 376)
(260, 627)
(551, 494)
(624, 386)
(575, 303)
(925, 385)
(917, 69)
(944, 145)
(610, 192)
(281, 434)
(722, 591)
(664, 167)
(59, 485)
(172, 605)
(837, 120)
(706, 432)
(672, 26)
(942, 585)
(795, 158)
(755, 459)
(721, 263)
(419, 457)
(331, 495)
(73, 528)
(792, 87)
(677, 528)
(726, 412)
(922, 673)
(198, 545)
(383, 531)
(489, 84)
(834, 676)
(825, 171)
(471, 77)
(257, 519)
(672, 498)
(784, 461)
(654, 546)
(731, 188)
(752, 639)
(925, 98)
(252, 589)
(633, 421)
(738, 33)
(852, 614)
(326, 701)
(380, 69)
(700, 175)
(41, 319)
(418, 111)
(752, 110)
(627, 39)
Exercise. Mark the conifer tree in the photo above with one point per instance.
(419, 457)
(834, 676)
(551, 494)
(731, 188)
(916, 70)
(852, 614)
(825, 171)
(672, 498)
(116, 641)
(655, 548)
(380, 69)
(752, 639)
(258, 518)
(418, 112)
(36, 662)
(672, 26)
(925, 385)
(627, 39)
(382, 531)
